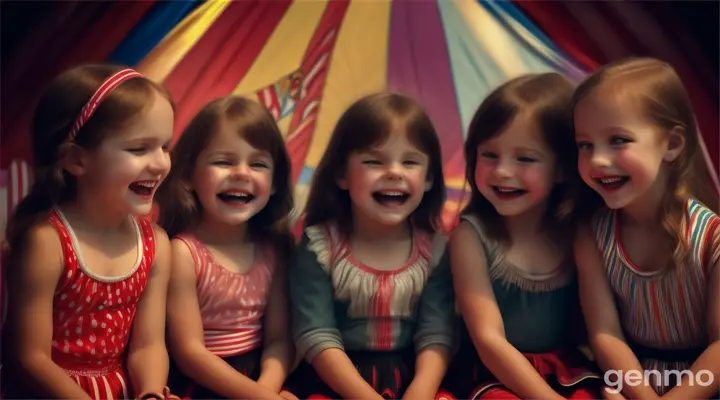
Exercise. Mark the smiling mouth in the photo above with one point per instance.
(391, 198)
(508, 193)
(612, 182)
(143, 188)
(236, 197)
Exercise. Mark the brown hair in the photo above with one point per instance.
(544, 98)
(180, 208)
(55, 113)
(369, 122)
(665, 104)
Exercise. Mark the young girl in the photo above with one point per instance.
(511, 253)
(371, 302)
(87, 274)
(654, 251)
(227, 203)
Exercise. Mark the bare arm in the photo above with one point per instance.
(601, 317)
(709, 360)
(32, 286)
(434, 335)
(186, 338)
(147, 359)
(278, 354)
(314, 328)
(482, 316)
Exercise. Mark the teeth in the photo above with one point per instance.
(507, 190)
(237, 194)
(391, 193)
(147, 184)
(610, 180)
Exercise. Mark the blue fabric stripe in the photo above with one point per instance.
(158, 22)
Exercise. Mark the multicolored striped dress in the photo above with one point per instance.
(663, 313)
(232, 308)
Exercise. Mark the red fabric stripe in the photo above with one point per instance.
(222, 57)
(300, 143)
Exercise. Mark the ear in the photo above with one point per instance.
(74, 160)
(428, 184)
(342, 183)
(675, 144)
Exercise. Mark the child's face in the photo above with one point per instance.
(620, 154)
(232, 179)
(515, 171)
(124, 172)
(386, 183)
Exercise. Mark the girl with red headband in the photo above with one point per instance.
(88, 275)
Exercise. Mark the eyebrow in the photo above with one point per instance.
(531, 150)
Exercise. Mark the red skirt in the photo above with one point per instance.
(567, 371)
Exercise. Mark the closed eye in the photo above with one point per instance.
(527, 159)
(584, 145)
(488, 154)
(221, 162)
(371, 162)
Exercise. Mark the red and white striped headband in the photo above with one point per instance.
(100, 94)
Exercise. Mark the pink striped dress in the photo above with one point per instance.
(232, 305)
(663, 313)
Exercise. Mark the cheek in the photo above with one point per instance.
(263, 182)
(360, 179)
(537, 178)
(482, 171)
(207, 180)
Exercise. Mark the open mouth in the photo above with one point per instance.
(508, 193)
(143, 188)
(614, 182)
(391, 198)
(236, 197)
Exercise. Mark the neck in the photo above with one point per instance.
(647, 208)
(85, 211)
(212, 231)
(528, 223)
(367, 230)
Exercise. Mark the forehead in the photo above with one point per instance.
(155, 123)
(605, 109)
(398, 141)
(229, 140)
(521, 133)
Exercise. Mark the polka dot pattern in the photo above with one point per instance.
(93, 316)
(232, 305)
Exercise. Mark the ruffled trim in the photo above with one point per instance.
(500, 268)
(319, 244)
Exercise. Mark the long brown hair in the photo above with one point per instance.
(369, 122)
(55, 113)
(665, 103)
(180, 208)
(545, 99)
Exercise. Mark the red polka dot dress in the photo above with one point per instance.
(93, 315)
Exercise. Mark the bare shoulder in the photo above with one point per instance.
(161, 237)
(41, 259)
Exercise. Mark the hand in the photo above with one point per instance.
(287, 395)
(165, 394)
(416, 391)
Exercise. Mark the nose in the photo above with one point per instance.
(600, 159)
(160, 163)
(395, 171)
(503, 170)
(240, 172)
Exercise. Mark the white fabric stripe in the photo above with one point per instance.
(233, 346)
(231, 336)
(122, 383)
(96, 391)
(108, 388)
